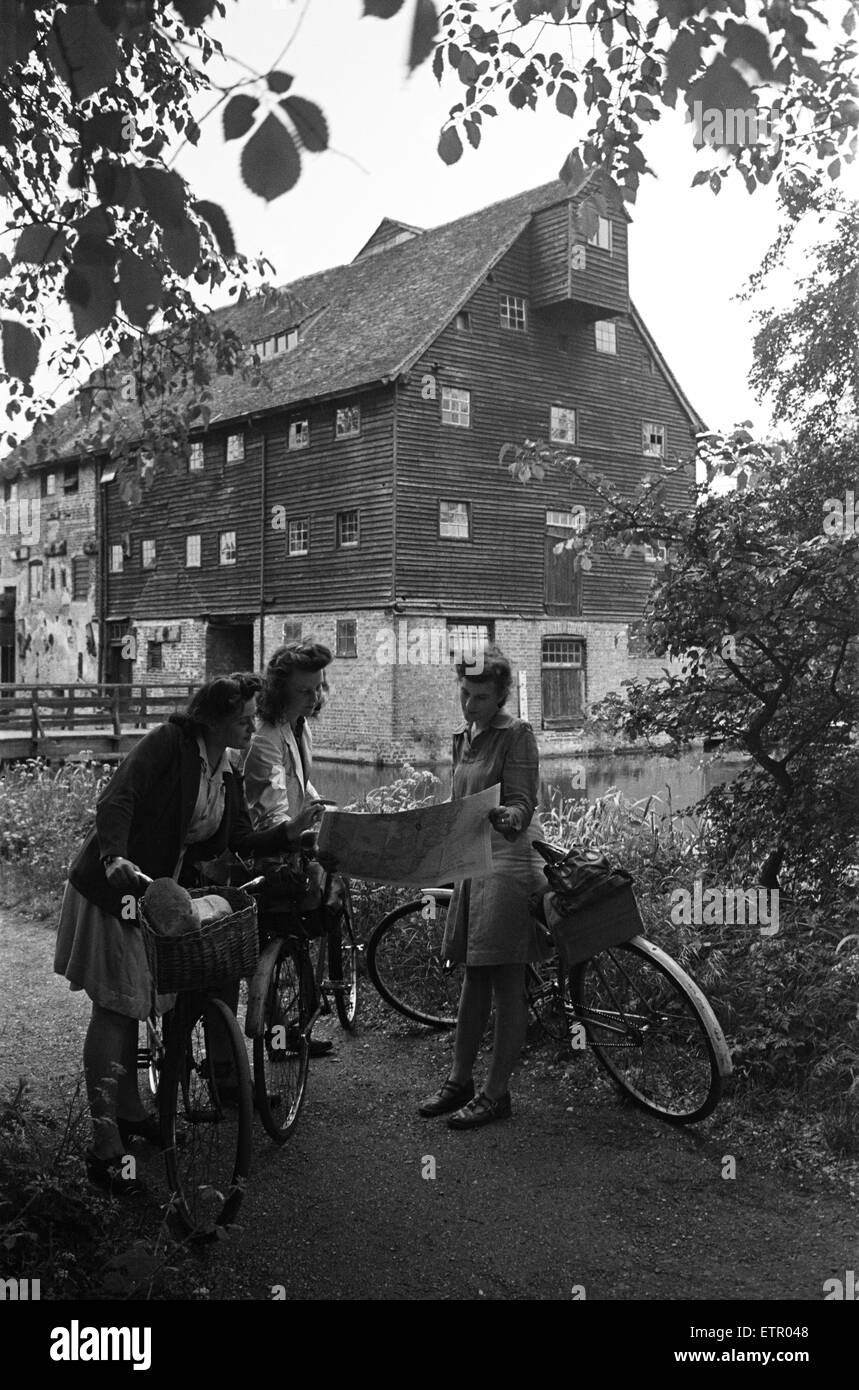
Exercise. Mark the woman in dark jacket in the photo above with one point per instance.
(175, 801)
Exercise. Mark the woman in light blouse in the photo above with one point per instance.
(490, 926)
(176, 800)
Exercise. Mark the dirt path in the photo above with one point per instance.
(575, 1190)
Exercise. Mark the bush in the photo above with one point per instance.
(45, 814)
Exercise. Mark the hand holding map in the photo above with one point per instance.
(427, 846)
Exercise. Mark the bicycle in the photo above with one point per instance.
(197, 1065)
(648, 1024)
(289, 990)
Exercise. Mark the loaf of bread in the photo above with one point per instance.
(169, 908)
(210, 908)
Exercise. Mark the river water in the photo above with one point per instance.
(684, 780)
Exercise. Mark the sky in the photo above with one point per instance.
(690, 251)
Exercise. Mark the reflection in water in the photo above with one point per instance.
(685, 779)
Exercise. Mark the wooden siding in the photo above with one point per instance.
(514, 379)
(601, 286)
(328, 476)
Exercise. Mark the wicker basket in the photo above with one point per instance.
(582, 934)
(223, 950)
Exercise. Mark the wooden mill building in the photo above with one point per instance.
(354, 493)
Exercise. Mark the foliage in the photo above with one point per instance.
(45, 814)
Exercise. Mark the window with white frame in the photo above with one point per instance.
(605, 335)
(195, 456)
(299, 434)
(227, 548)
(276, 343)
(454, 521)
(116, 559)
(347, 421)
(49, 484)
(652, 439)
(193, 552)
(346, 637)
(562, 424)
(574, 520)
(36, 580)
(147, 554)
(468, 639)
(562, 651)
(512, 312)
(298, 536)
(656, 555)
(235, 448)
(348, 530)
(602, 234)
(455, 406)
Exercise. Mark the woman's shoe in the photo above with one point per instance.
(147, 1129)
(452, 1095)
(481, 1111)
(107, 1173)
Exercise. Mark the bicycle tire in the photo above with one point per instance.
(404, 963)
(652, 1029)
(207, 1133)
(281, 1051)
(343, 965)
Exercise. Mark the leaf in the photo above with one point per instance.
(164, 195)
(20, 350)
(39, 245)
(5, 266)
(449, 145)
(566, 101)
(91, 293)
(17, 32)
(382, 9)
(194, 12)
(467, 70)
(572, 171)
(424, 30)
(239, 114)
(219, 223)
(683, 59)
(182, 247)
(271, 164)
(310, 124)
(279, 81)
(472, 130)
(700, 177)
(751, 45)
(721, 88)
(83, 51)
(140, 288)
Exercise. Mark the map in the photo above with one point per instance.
(432, 845)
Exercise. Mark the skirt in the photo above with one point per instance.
(98, 953)
(489, 921)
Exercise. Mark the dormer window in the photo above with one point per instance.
(602, 237)
(235, 448)
(277, 343)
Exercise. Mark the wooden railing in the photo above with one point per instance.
(39, 711)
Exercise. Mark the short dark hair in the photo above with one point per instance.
(294, 656)
(221, 698)
(496, 668)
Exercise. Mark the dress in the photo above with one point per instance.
(489, 920)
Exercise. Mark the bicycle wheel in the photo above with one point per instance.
(343, 965)
(548, 998)
(404, 963)
(282, 1049)
(206, 1117)
(653, 1030)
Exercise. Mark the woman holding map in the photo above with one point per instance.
(489, 925)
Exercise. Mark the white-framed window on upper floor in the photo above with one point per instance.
(562, 424)
(574, 520)
(276, 343)
(227, 549)
(235, 448)
(656, 555)
(455, 406)
(602, 235)
(147, 554)
(298, 434)
(196, 456)
(193, 552)
(36, 580)
(298, 535)
(512, 310)
(49, 485)
(605, 336)
(348, 529)
(117, 556)
(454, 521)
(347, 421)
(652, 439)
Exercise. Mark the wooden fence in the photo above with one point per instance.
(69, 720)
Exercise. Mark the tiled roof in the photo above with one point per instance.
(367, 321)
